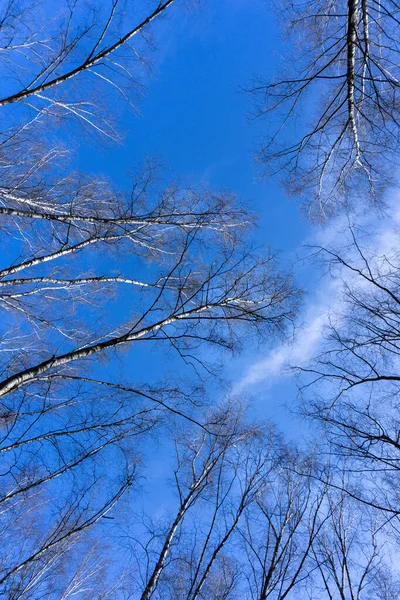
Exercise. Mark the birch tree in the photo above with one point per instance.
(351, 388)
(182, 557)
(179, 277)
(248, 534)
(95, 282)
(60, 59)
(343, 82)
(349, 553)
(280, 528)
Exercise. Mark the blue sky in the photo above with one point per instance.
(196, 118)
(194, 115)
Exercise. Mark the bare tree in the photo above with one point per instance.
(352, 386)
(45, 544)
(280, 528)
(216, 476)
(250, 530)
(46, 48)
(346, 65)
(211, 564)
(94, 281)
(89, 270)
(349, 552)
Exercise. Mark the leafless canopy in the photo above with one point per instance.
(347, 66)
(93, 280)
(352, 387)
(99, 287)
(88, 271)
(244, 525)
(58, 58)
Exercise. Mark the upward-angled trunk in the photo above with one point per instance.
(89, 62)
(352, 18)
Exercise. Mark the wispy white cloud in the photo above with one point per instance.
(276, 362)
(325, 301)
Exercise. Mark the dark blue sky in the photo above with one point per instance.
(196, 118)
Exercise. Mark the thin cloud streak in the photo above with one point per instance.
(298, 353)
(317, 312)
